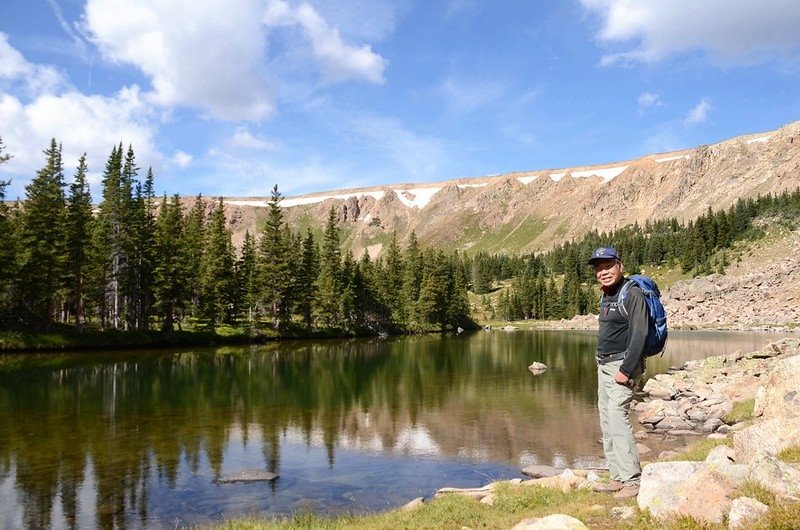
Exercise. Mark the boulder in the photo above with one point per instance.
(538, 471)
(659, 389)
(721, 455)
(745, 511)
(660, 488)
(777, 476)
(707, 496)
(551, 522)
(537, 368)
(413, 505)
(652, 412)
(672, 423)
(770, 437)
(561, 482)
(247, 475)
(781, 397)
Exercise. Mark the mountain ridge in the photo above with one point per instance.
(530, 211)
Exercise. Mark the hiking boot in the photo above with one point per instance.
(628, 491)
(609, 487)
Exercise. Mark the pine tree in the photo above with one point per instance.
(329, 281)
(192, 253)
(274, 268)
(43, 237)
(79, 229)
(392, 284)
(247, 277)
(306, 280)
(216, 270)
(108, 242)
(412, 278)
(145, 255)
(168, 280)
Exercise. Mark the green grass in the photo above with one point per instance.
(756, 491)
(741, 411)
(698, 451)
(512, 505)
(790, 454)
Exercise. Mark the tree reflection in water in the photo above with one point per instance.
(135, 439)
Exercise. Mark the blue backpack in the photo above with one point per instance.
(656, 315)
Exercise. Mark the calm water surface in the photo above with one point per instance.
(137, 440)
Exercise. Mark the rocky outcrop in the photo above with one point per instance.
(707, 491)
(766, 298)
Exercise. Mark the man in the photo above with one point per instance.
(620, 365)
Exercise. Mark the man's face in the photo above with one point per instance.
(608, 271)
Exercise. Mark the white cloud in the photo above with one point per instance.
(740, 32)
(339, 61)
(648, 100)
(463, 96)
(83, 124)
(196, 53)
(699, 114)
(244, 138)
(90, 124)
(181, 159)
(14, 69)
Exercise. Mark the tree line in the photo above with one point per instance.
(135, 262)
(559, 284)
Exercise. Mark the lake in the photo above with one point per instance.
(139, 439)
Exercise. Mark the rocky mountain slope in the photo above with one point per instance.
(532, 210)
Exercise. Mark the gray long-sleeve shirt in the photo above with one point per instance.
(623, 331)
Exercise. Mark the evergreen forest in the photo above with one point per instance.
(131, 261)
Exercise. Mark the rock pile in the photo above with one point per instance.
(766, 298)
(707, 491)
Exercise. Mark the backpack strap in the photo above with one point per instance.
(623, 292)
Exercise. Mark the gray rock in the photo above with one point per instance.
(538, 471)
(697, 415)
(551, 522)
(782, 390)
(744, 512)
(660, 490)
(413, 505)
(672, 423)
(653, 412)
(721, 455)
(623, 513)
(770, 437)
(720, 410)
(712, 424)
(247, 475)
(779, 477)
(707, 495)
(659, 389)
(537, 368)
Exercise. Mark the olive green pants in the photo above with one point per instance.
(614, 400)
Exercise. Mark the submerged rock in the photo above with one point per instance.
(537, 368)
(247, 475)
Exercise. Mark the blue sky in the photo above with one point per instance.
(331, 94)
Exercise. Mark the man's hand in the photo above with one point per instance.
(621, 378)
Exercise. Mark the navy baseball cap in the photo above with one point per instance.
(604, 253)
